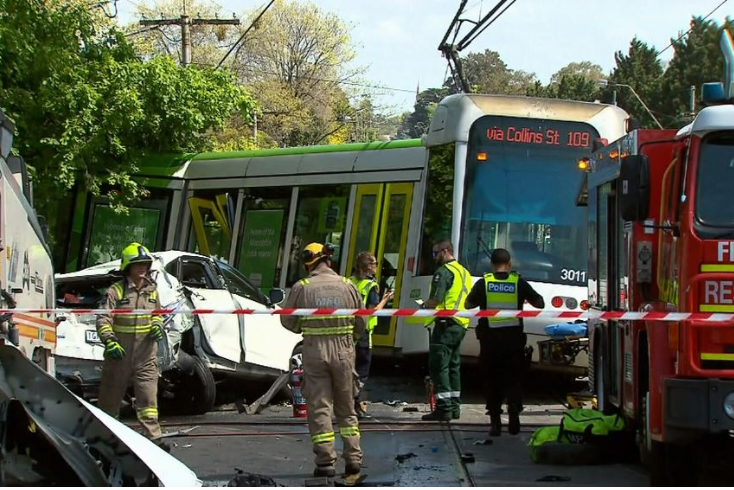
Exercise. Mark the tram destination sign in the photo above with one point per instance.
(534, 132)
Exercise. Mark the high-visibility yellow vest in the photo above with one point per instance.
(364, 286)
(455, 297)
(502, 294)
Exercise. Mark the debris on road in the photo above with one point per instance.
(468, 458)
(178, 433)
(403, 457)
(263, 401)
(553, 478)
(410, 409)
(485, 442)
(244, 479)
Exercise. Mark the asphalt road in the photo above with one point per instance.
(399, 449)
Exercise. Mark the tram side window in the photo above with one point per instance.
(321, 216)
(108, 229)
(261, 240)
(212, 216)
(438, 206)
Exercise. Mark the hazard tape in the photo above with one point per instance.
(413, 313)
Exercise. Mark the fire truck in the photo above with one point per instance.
(661, 240)
(48, 436)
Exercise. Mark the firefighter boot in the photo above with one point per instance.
(326, 471)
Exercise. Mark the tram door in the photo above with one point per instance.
(380, 226)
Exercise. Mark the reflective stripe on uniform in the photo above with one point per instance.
(323, 437)
(319, 331)
(444, 395)
(148, 413)
(352, 431)
(502, 294)
(455, 394)
(133, 328)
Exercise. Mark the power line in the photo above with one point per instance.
(338, 82)
(242, 37)
(689, 30)
(318, 79)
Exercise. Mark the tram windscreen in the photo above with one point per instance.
(520, 194)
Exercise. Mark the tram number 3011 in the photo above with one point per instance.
(573, 275)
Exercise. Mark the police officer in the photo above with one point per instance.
(449, 289)
(131, 341)
(364, 281)
(502, 340)
(328, 358)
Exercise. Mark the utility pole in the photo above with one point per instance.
(185, 21)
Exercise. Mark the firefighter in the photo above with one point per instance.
(364, 281)
(502, 340)
(449, 289)
(131, 341)
(328, 359)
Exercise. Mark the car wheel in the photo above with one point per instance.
(197, 391)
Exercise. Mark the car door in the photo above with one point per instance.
(221, 332)
(267, 343)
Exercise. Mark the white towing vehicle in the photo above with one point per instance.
(48, 436)
(197, 349)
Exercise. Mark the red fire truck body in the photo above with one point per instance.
(661, 231)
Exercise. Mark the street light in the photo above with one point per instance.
(606, 83)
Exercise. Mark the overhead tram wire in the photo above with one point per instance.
(451, 50)
(242, 37)
(512, 2)
(689, 30)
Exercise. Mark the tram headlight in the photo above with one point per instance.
(729, 405)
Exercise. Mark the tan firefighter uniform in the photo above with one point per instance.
(328, 361)
(140, 362)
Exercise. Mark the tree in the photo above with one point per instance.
(416, 123)
(87, 109)
(295, 63)
(697, 60)
(641, 70)
(585, 69)
(488, 74)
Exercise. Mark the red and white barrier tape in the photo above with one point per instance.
(413, 313)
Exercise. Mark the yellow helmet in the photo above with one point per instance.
(135, 253)
(315, 251)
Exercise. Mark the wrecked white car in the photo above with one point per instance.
(197, 350)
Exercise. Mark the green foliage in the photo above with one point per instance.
(641, 70)
(575, 81)
(488, 74)
(416, 123)
(295, 63)
(697, 60)
(87, 108)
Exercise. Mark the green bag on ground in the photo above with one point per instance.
(578, 426)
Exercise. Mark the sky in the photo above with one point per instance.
(397, 40)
